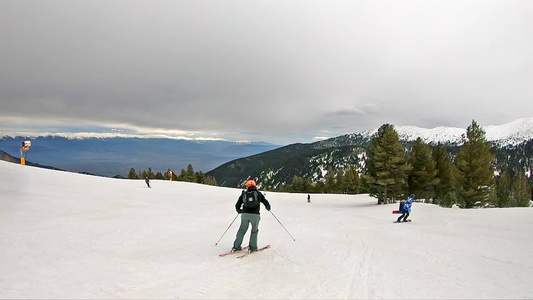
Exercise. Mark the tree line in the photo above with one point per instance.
(393, 171)
(342, 181)
(187, 175)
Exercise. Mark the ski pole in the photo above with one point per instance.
(282, 225)
(227, 229)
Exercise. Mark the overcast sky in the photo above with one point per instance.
(276, 71)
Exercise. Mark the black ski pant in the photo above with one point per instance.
(404, 215)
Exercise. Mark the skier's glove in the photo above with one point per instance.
(239, 211)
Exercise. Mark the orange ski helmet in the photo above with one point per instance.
(249, 183)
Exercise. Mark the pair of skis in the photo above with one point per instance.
(242, 250)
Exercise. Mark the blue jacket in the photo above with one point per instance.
(408, 204)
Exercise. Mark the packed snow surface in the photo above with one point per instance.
(66, 235)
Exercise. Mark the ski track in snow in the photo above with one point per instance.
(68, 235)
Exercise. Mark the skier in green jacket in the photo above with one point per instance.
(248, 206)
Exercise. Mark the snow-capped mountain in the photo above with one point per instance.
(513, 143)
(512, 133)
(111, 155)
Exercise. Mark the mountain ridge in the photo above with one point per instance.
(112, 156)
(512, 146)
(115, 156)
(514, 132)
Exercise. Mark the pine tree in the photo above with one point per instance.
(474, 166)
(423, 176)
(150, 174)
(187, 175)
(386, 174)
(166, 175)
(531, 183)
(210, 180)
(330, 181)
(352, 180)
(340, 182)
(521, 191)
(297, 184)
(183, 175)
(445, 190)
(200, 177)
(503, 189)
(319, 187)
(132, 174)
(308, 185)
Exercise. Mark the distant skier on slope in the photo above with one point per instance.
(248, 206)
(308, 198)
(147, 181)
(405, 209)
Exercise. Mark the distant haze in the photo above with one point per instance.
(111, 155)
(115, 156)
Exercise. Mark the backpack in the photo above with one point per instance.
(402, 203)
(250, 199)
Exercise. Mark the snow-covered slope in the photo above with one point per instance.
(66, 235)
(511, 133)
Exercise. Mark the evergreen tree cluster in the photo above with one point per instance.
(512, 191)
(394, 171)
(188, 175)
(342, 181)
(466, 177)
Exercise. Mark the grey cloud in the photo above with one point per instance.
(276, 68)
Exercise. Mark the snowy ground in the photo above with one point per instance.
(66, 235)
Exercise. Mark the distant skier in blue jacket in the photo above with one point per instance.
(406, 209)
